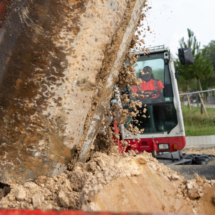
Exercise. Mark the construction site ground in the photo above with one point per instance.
(116, 183)
(199, 150)
(207, 170)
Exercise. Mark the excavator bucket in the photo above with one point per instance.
(59, 61)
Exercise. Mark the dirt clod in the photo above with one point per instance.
(63, 199)
(20, 193)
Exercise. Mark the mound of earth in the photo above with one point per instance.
(117, 183)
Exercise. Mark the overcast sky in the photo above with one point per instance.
(169, 20)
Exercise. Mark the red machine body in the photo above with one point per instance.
(1, 11)
(151, 144)
(3, 7)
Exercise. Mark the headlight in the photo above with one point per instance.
(163, 146)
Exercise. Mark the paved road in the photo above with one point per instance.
(208, 171)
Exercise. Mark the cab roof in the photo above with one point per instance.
(155, 49)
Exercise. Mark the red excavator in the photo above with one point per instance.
(159, 117)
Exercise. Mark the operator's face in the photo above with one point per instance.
(148, 74)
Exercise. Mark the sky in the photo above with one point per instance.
(169, 20)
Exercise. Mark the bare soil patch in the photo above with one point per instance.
(114, 182)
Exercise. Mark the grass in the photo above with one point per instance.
(197, 124)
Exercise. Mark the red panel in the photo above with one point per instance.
(147, 144)
(116, 131)
(3, 9)
(38, 212)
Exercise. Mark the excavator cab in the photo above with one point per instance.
(157, 113)
(159, 117)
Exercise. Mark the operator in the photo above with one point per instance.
(149, 91)
(149, 87)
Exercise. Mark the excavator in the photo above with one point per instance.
(159, 117)
(59, 64)
(155, 123)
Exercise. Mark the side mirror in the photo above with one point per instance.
(185, 56)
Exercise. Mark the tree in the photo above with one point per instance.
(210, 52)
(202, 67)
(195, 46)
(191, 42)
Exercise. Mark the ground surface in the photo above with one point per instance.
(199, 150)
(207, 170)
(155, 189)
(115, 183)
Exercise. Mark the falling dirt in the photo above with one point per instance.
(118, 183)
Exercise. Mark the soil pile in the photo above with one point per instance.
(114, 182)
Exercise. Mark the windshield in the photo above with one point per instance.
(154, 77)
(156, 112)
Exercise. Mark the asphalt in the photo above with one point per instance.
(208, 171)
